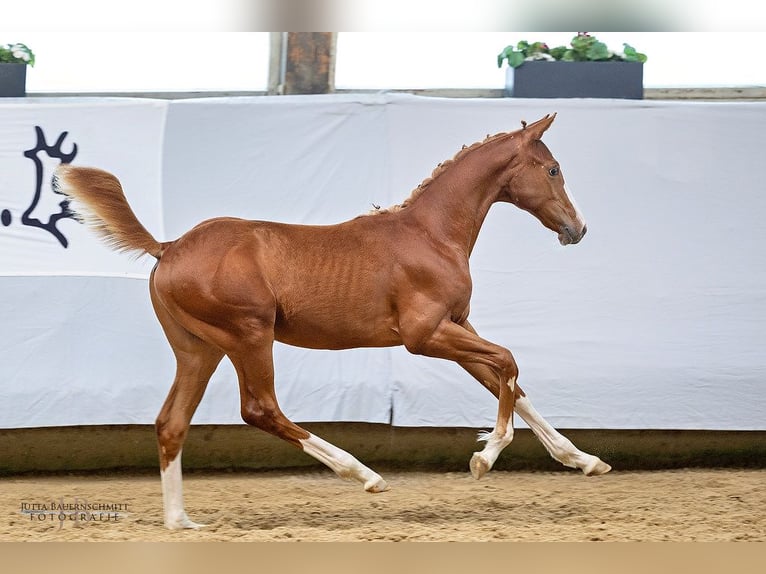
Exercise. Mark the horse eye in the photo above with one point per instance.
(554, 171)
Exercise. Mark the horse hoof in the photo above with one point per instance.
(596, 468)
(376, 485)
(183, 523)
(479, 466)
(188, 525)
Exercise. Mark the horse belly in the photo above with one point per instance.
(336, 324)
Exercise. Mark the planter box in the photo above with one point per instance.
(13, 80)
(542, 79)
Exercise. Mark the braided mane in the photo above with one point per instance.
(438, 170)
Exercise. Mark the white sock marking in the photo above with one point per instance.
(173, 496)
(342, 463)
(495, 441)
(559, 447)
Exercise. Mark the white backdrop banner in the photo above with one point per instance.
(656, 320)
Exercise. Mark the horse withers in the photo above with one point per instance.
(396, 276)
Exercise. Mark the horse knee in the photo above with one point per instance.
(508, 368)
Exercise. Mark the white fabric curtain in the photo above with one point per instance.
(656, 320)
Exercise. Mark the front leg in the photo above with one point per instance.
(559, 447)
(500, 437)
(451, 341)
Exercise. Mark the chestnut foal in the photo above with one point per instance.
(398, 276)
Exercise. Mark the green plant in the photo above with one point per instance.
(16, 54)
(582, 48)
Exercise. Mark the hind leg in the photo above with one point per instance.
(196, 361)
(254, 365)
(194, 368)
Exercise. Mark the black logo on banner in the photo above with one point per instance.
(45, 209)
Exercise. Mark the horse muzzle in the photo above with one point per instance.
(570, 236)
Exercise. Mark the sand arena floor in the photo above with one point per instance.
(315, 505)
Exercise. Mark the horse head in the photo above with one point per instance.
(535, 183)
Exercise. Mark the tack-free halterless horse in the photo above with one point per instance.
(398, 276)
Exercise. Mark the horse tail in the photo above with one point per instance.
(96, 199)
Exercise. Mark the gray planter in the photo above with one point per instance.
(542, 79)
(13, 80)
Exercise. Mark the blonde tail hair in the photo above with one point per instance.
(97, 200)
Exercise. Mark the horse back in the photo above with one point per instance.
(318, 286)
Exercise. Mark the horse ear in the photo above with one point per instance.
(536, 130)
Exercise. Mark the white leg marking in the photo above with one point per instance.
(560, 447)
(173, 497)
(482, 462)
(343, 464)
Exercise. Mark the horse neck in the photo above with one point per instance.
(454, 203)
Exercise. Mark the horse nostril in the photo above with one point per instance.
(584, 231)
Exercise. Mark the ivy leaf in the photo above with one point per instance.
(503, 55)
(582, 44)
(597, 51)
(558, 52)
(569, 56)
(631, 55)
(516, 59)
